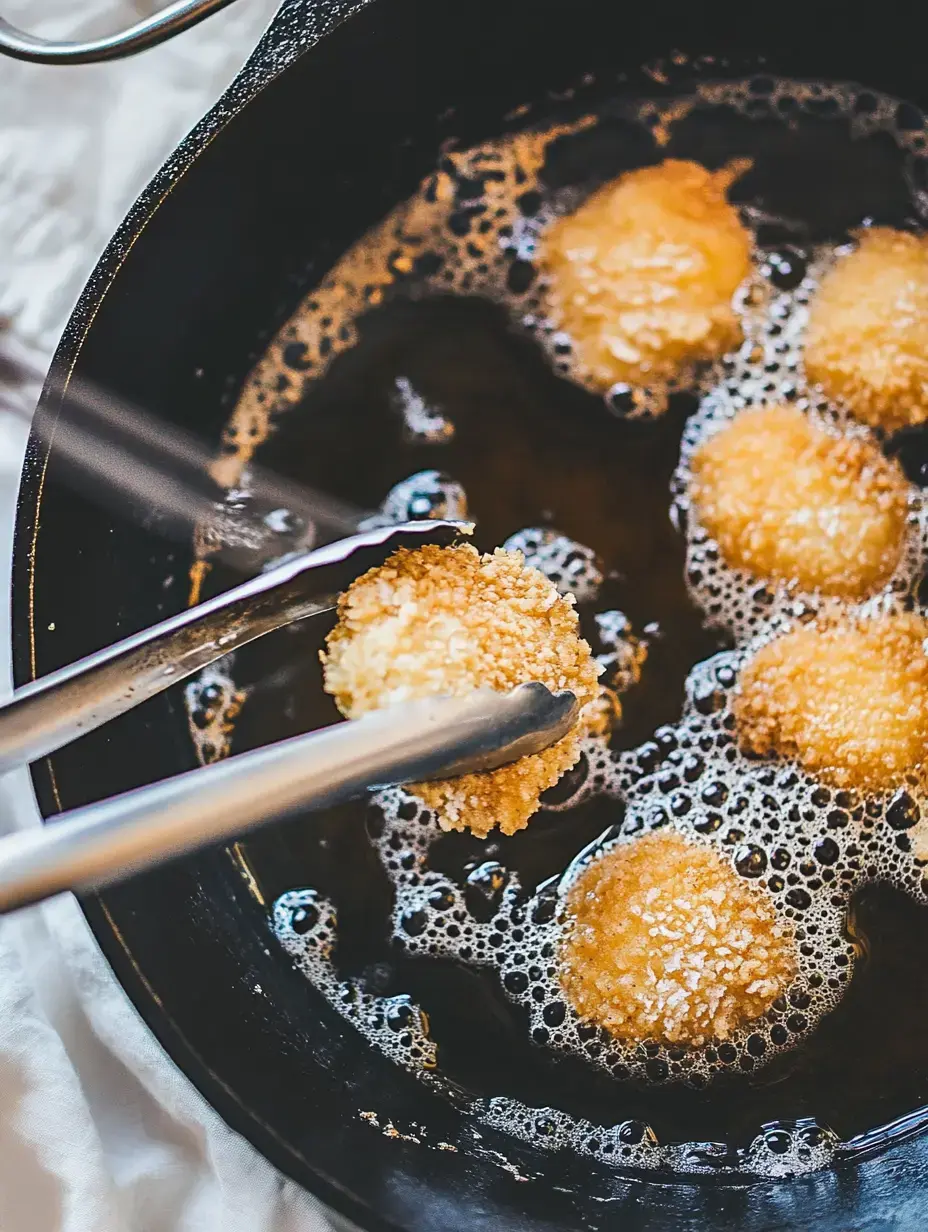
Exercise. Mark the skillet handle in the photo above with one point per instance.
(157, 28)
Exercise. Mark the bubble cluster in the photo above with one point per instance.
(766, 374)
(267, 531)
(806, 846)
(802, 846)
(573, 568)
(459, 234)
(306, 924)
(427, 494)
(781, 1149)
(423, 424)
(474, 228)
(213, 701)
(798, 844)
(621, 655)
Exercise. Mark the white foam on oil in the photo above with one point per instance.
(789, 1148)
(213, 700)
(423, 424)
(305, 924)
(768, 371)
(427, 494)
(573, 568)
(473, 229)
(805, 846)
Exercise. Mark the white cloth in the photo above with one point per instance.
(99, 1132)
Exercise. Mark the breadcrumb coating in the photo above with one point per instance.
(643, 273)
(848, 698)
(446, 621)
(867, 339)
(667, 942)
(786, 500)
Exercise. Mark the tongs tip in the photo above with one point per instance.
(508, 726)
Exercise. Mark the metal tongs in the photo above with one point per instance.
(101, 843)
(149, 32)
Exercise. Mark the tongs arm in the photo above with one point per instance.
(57, 708)
(145, 33)
(93, 846)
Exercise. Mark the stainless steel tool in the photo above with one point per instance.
(148, 32)
(155, 472)
(437, 736)
(66, 704)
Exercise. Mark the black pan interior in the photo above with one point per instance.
(322, 152)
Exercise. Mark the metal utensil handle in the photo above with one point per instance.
(60, 707)
(159, 473)
(146, 33)
(93, 846)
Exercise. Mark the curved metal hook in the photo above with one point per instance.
(146, 33)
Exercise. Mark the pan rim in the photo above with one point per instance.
(117, 952)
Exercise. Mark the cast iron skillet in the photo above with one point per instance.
(338, 114)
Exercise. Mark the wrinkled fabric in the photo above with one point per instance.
(99, 1132)
(77, 144)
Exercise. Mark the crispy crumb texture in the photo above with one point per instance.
(446, 621)
(787, 500)
(848, 698)
(867, 340)
(666, 942)
(643, 273)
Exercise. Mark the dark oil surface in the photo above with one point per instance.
(532, 449)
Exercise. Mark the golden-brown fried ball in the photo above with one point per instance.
(867, 339)
(786, 500)
(642, 274)
(847, 698)
(447, 621)
(665, 941)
